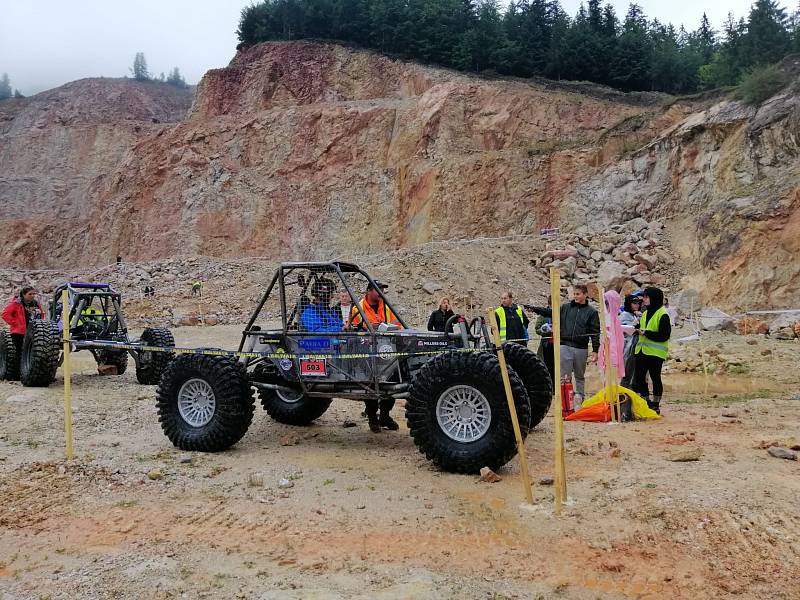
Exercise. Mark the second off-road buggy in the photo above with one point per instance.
(95, 315)
(315, 351)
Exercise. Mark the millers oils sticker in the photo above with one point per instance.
(313, 367)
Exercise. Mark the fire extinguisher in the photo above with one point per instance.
(567, 396)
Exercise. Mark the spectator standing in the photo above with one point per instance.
(629, 319)
(376, 312)
(197, 288)
(580, 324)
(511, 320)
(439, 317)
(544, 327)
(345, 305)
(652, 348)
(21, 310)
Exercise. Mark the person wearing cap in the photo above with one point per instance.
(374, 308)
(629, 319)
(319, 316)
(376, 312)
(652, 348)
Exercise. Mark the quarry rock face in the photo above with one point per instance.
(310, 151)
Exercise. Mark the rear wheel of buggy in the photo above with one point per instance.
(289, 408)
(152, 364)
(534, 375)
(204, 402)
(9, 360)
(116, 358)
(458, 414)
(41, 350)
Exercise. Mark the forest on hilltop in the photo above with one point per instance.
(538, 38)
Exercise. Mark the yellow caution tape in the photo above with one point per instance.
(273, 355)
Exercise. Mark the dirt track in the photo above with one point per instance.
(367, 517)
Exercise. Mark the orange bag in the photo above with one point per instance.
(596, 413)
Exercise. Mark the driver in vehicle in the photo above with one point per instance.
(320, 316)
(376, 312)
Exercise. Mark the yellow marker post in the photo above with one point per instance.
(560, 472)
(523, 459)
(67, 375)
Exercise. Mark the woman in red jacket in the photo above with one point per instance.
(19, 312)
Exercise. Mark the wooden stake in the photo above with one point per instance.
(560, 482)
(523, 459)
(67, 376)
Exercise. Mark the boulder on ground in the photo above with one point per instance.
(713, 319)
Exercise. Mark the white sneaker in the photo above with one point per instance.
(577, 400)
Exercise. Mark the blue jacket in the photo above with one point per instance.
(321, 318)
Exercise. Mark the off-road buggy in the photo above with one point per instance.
(95, 315)
(310, 351)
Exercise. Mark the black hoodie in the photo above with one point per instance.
(664, 326)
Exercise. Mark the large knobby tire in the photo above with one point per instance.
(41, 350)
(204, 402)
(487, 438)
(9, 360)
(117, 358)
(151, 365)
(535, 377)
(283, 407)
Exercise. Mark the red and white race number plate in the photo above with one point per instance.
(313, 367)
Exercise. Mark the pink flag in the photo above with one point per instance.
(616, 338)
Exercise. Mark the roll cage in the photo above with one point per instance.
(100, 296)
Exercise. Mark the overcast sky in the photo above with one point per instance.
(46, 43)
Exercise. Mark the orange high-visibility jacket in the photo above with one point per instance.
(384, 314)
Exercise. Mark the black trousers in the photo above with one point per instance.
(549, 360)
(386, 405)
(648, 365)
(17, 339)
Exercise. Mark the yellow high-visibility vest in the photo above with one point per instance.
(647, 346)
(501, 318)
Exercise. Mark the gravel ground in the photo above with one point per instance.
(367, 516)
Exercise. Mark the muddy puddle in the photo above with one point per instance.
(697, 383)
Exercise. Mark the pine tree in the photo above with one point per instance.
(139, 69)
(5, 87)
(631, 70)
(705, 40)
(175, 78)
(556, 51)
(768, 39)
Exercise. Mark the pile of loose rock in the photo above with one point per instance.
(624, 257)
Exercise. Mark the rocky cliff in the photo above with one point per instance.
(306, 150)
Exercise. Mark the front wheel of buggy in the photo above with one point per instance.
(9, 359)
(204, 402)
(41, 350)
(152, 364)
(458, 414)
